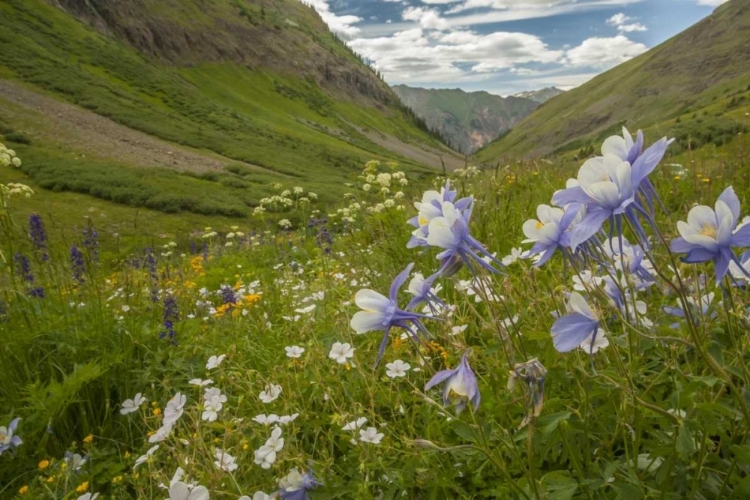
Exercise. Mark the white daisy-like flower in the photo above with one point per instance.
(266, 419)
(270, 394)
(175, 408)
(91, 496)
(182, 491)
(214, 361)
(265, 456)
(161, 434)
(341, 352)
(294, 351)
(371, 435)
(200, 382)
(144, 458)
(458, 329)
(355, 424)
(397, 369)
(132, 405)
(285, 419)
(224, 461)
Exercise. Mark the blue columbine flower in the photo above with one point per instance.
(608, 187)
(551, 230)
(295, 485)
(381, 313)
(422, 290)
(8, 437)
(571, 330)
(450, 231)
(430, 207)
(460, 385)
(630, 259)
(710, 234)
(38, 236)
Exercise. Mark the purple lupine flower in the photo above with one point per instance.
(37, 292)
(23, 267)
(227, 295)
(150, 266)
(8, 437)
(77, 264)
(171, 314)
(91, 242)
(607, 186)
(295, 485)
(380, 313)
(204, 251)
(550, 231)
(571, 330)
(38, 236)
(711, 234)
(460, 385)
(450, 231)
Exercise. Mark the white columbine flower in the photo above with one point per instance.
(341, 352)
(265, 456)
(174, 409)
(132, 405)
(271, 393)
(397, 369)
(294, 351)
(214, 361)
(371, 435)
(225, 461)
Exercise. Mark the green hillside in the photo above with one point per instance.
(542, 95)
(466, 120)
(260, 89)
(695, 87)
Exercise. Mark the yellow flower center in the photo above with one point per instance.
(422, 221)
(539, 224)
(709, 230)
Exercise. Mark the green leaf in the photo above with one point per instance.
(685, 445)
(464, 431)
(627, 491)
(559, 485)
(550, 423)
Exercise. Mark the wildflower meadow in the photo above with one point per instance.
(525, 332)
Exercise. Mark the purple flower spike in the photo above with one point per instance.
(710, 234)
(381, 313)
(571, 330)
(460, 385)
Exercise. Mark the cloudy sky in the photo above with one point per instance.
(504, 46)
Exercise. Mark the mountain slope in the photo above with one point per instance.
(542, 95)
(466, 120)
(262, 84)
(703, 71)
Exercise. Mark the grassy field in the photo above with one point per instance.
(273, 125)
(661, 412)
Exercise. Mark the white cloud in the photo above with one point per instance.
(603, 53)
(712, 3)
(439, 2)
(427, 18)
(624, 23)
(417, 55)
(341, 25)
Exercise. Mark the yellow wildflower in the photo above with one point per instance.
(89, 439)
(82, 487)
(44, 464)
(24, 489)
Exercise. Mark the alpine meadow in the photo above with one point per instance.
(236, 263)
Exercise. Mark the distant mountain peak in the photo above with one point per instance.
(542, 95)
(466, 120)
